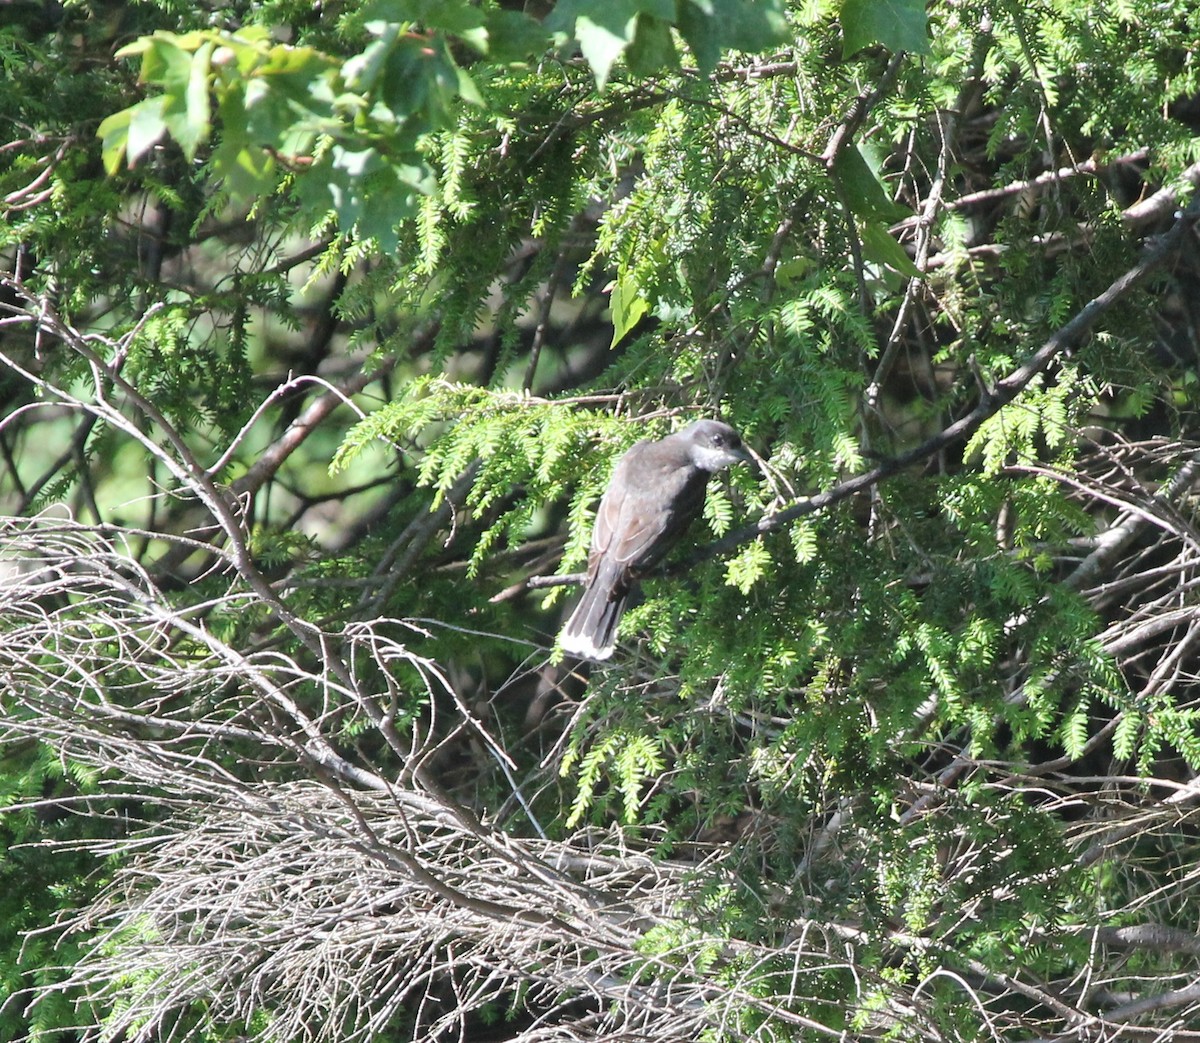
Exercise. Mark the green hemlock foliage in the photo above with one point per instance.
(322, 327)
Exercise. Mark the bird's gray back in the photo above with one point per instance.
(655, 491)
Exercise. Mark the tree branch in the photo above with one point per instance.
(1002, 393)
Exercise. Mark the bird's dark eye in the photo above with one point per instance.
(716, 439)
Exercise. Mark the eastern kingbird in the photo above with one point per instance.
(656, 489)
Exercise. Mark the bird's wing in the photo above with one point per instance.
(644, 510)
(613, 516)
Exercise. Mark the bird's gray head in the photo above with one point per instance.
(713, 445)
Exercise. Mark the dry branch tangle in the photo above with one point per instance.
(338, 898)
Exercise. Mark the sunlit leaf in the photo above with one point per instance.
(629, 304)
(146, 127)
(880, 247)
(863, 190)
(900, 25)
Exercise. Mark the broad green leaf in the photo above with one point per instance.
(301, 71)
(114, 135)
(165, 63)
(628, 307)
(387, 199)
(604, 32)
(864, 191)
(514, 36)
(368, 194)
(880, 247)
(791, 271)
(711, 27)
(146, 127)
(139, 46)
(193, 127)
(267, 114)
(900, 25)
(247, 171)
(466, 87)
(605, 39)
(652, 48)
(231, 111)
(457, 17)
(361, 71)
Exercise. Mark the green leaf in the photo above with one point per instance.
(369, 193)
(711, 27)
(628, 306)
(114, 135)
(467, 89)
(652, 48)
(361, 72)
(514, 36)
(146, 127)
(604, 40)
(193, 127)
(880, 247)
(457, 17)
(863, 190)
(794, 269)
(247, 172)
(139, 46)
(900, 25)
(165, 63)
(605, 32)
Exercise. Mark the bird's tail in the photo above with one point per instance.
(591, 632)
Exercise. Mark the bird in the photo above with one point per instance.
(656, 490)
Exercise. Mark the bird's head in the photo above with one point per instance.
(712, 445)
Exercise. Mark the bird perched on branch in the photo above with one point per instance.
(656, 489)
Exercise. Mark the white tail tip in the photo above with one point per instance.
(584, 647)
